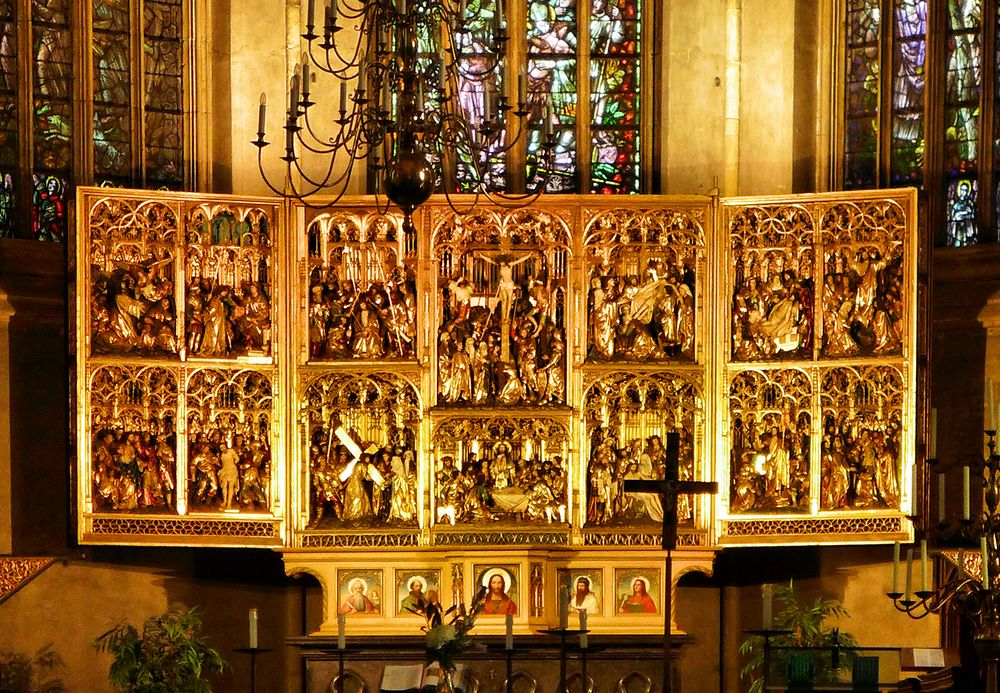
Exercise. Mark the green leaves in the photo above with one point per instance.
(169, 656)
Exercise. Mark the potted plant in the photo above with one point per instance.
(20, 673)
(802, 626)
(168, 656)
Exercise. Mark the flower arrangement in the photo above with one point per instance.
(446, 640)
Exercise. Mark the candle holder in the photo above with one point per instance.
(968, 584)
(564, 633)
(253, 652)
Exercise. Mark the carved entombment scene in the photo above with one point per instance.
(361, 450)
(502, 282)
(642, 291)
(362, 293)
(500, 469)
(627, 418)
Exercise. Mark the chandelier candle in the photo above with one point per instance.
(253, 629)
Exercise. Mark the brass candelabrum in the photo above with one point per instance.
(969, 583)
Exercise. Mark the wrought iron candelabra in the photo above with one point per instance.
(428, 91)
(969, 582)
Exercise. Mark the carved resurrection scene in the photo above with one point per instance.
(501, 468)
(133, 249)
(362, 295)
(770, 437)
(627, 418)
(642, 285)
(134, 445)
(361, 450)
(502, 302)
(229, 440)
(862, 433)
(228, 290)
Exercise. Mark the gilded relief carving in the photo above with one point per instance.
(862, 437)
(863, 306)
(362, 297)
(360, 432)
(133, 246)
(772, 307)
(229, 287)
(133, 446)
(642, 285)
(228, 432)
(770, 424)
(502, 292)
(627, 418)
(500, 469)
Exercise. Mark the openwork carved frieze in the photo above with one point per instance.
(627, 417)
(361, 436)
(133, 446)
(229, 416)
(362, 295)
(862, 436)
(643, 293)
(770, 424)
(500, 468)
(502, 282)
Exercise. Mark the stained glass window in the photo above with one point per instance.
(112, 92)
(163, 46)
(861, 94)
(8, 117)
(996, 132)
(908, 82)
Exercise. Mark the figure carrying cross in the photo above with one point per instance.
(668, 490)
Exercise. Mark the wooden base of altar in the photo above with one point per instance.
(619, 662)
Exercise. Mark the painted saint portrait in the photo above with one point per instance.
(416, 588)
(637, 591)
(584, 587)
(501, 589)
(360, 592)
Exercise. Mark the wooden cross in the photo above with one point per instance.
(668, 490)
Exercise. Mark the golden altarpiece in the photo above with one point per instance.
(411, 417)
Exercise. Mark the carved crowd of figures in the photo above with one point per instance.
(499, 484)
(612, 462)
(507, 352)
(770, 462)
(133, 470)
(225, 320)
(228, 470)
(377, 487)
(132, 309)
(772, 312)
(862, 303)
(634, 317)
(860, 463)
(351, 321)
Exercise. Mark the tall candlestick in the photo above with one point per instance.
(261, 113)
(253, 629)
(310, 13)
(909, 575)
(991, 410)
(895, 568)
(509, 638)
(563, 607)
(941, 478)
(341, 635)
(986, 562)
(966, 490)
(343, 97)
(767, 597)
(923, 565)
(932, 436)
(583, 629)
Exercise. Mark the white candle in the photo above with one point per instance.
(767, 596)
(583, 629)
(923, 565)
(895, 568)
(341, 635)
(966, 490)
(932, 437)
(509, 639)
(253, 629)
(986, 562)
(941, 498)
(991, 411)
(563, 608)
(261, 111)
(909, 574)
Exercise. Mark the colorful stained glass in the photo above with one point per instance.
(861, 94)
(962, 84)
(909, 52)
(996, 131)
(8, 205)
(112, 91)
(49, 207)
(8, 117)
(53, 65)
(552, 91)
(164, 118)
(961, 216)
